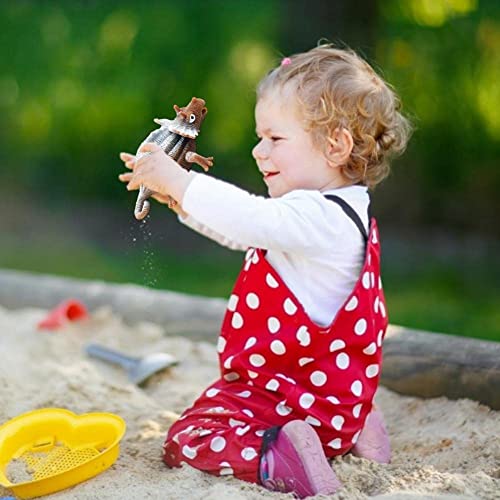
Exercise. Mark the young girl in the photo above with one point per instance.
(301, 343)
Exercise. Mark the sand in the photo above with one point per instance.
(442, 449)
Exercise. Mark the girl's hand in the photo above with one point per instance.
(159, 173)
(130, 162)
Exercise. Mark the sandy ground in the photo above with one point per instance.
(441, 449)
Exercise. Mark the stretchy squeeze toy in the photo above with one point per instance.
(178, 139)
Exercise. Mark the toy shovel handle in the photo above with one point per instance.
(105, 354)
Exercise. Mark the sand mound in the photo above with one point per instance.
(441, 448)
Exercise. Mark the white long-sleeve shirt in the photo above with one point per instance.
(314, 246)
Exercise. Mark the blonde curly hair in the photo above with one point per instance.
(337, 88)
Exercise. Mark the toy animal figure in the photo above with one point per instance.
(178, 139)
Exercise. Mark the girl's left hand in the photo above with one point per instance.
(157, 171)
(151, 170)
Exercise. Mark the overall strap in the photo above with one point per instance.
(351, 213)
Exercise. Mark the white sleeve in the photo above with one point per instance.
(294, 222)
(192, 223)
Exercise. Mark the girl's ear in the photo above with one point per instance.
(339, 148)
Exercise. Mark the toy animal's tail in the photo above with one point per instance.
(142, 205)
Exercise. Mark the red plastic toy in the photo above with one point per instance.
(66, 312)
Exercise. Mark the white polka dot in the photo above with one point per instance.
(357, 410)
(333, 400)
(248, 412)
(271, 282)
(217, 444)
(187, 430)
(360, 326)
(212, 392)
(336, 345)
(318, 378)
(231, 377)
(189, 452)
(372, 280)
(235, 423)
(244, 394)
(305, 361)
(370, 349)
(282, 409)
(250, 342)
(366, 280)
(221, 345)
(342, 360)
(380, 337)
(336, 444)
(252, 374)
(240, 431)
(379, 283)
(232, 303)
(357, 388)
(237, 320)
(374, 237)
(249, 253)
(226, 471)
(257, 360)
(382, 309)
(252, 301)
(288, 379)
(227, 363)
(313, 421)
(289, 307)
(216, 409)
(272, 385)
(372, 371)
(355, 437)
(259, 433)
(303, 336)
(306, 400)
(338, 422)
(352, 304)
(273, 324)
(255, 258)
(248, 454)
(375, 304)
(278, 347)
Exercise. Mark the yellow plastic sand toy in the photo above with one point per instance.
(47, 450)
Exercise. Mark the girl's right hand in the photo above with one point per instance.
(129, 161)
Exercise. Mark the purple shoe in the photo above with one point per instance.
(373, 442)
(293, 461)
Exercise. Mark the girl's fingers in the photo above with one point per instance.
(149, 147)
(126, 176)
(128, 159)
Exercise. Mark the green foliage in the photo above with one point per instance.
(84, 82)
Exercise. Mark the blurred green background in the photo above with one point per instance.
(81, 81)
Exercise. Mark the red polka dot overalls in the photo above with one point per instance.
(277, 365)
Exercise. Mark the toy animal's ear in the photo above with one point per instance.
(203, 111)
(177, 109)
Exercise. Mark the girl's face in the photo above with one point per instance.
(285, 153)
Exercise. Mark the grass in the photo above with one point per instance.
(435, 296)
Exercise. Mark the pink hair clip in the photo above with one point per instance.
(286, 61)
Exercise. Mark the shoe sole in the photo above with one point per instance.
(306, 442)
